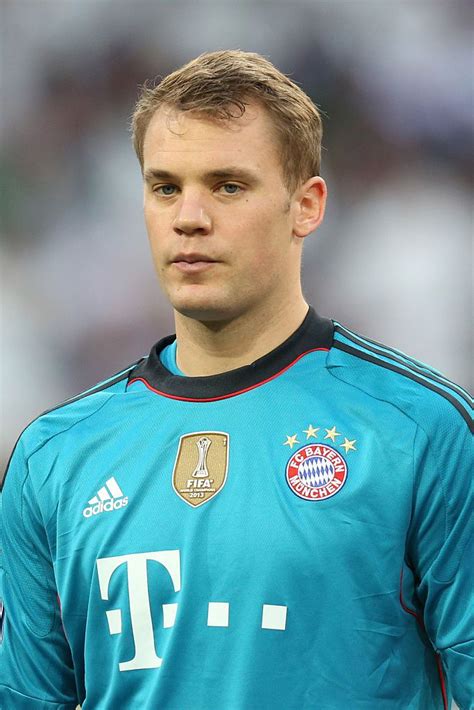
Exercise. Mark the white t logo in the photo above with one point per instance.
(140, 612)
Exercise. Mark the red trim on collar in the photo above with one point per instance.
(231, 394)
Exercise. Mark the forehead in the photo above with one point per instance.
(182, 136)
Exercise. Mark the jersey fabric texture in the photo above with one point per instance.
(168, 359)
(293, 534)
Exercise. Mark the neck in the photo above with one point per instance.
(212, 348)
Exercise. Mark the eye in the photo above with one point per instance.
(164, 190)
(234, 189)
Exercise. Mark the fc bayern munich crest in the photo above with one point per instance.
(316, 472)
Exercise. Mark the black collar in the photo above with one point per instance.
(315, 333)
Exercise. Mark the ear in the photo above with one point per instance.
(310, 203)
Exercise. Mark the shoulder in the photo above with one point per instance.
(417, 390)
(68, 414)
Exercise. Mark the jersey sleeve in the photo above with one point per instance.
(36, 670)
(440, 548)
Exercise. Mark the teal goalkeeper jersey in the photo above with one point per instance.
(290, 535)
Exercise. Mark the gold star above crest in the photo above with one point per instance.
(332, 433)
(291, 441)
(348, 445)
(311, 431)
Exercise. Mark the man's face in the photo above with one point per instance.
(218, 214)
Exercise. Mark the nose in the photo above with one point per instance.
(192, 218)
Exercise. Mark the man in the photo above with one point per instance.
(267, 512)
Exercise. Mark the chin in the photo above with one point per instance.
(206, 309)
(208, 304)
(202, 312)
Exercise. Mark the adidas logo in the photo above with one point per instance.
(108, 498)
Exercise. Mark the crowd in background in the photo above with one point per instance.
(79, 299)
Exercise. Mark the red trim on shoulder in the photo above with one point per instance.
(442, 681)
(231, 394)
(438, 658)
(404, 606)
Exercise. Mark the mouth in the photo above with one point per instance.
(193, 263)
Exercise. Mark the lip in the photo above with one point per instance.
(192, 258)
(193, 267)
(193, 262)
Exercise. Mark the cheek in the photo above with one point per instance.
(156, 229)
(152, 222)
(266, 240)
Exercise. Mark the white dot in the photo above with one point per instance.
(169, 615)
(218, 614)
(274, 617)
(114, 617)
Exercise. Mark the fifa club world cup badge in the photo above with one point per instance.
(316, 472)
(200, 470)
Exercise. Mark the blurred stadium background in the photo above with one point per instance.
(79, 299)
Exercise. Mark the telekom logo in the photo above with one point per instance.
(218, 612)
(140, 612)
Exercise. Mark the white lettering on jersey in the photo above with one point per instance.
(139, 600)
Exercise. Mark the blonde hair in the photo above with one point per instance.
(220, 85)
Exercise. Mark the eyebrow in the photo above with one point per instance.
(231, 172)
